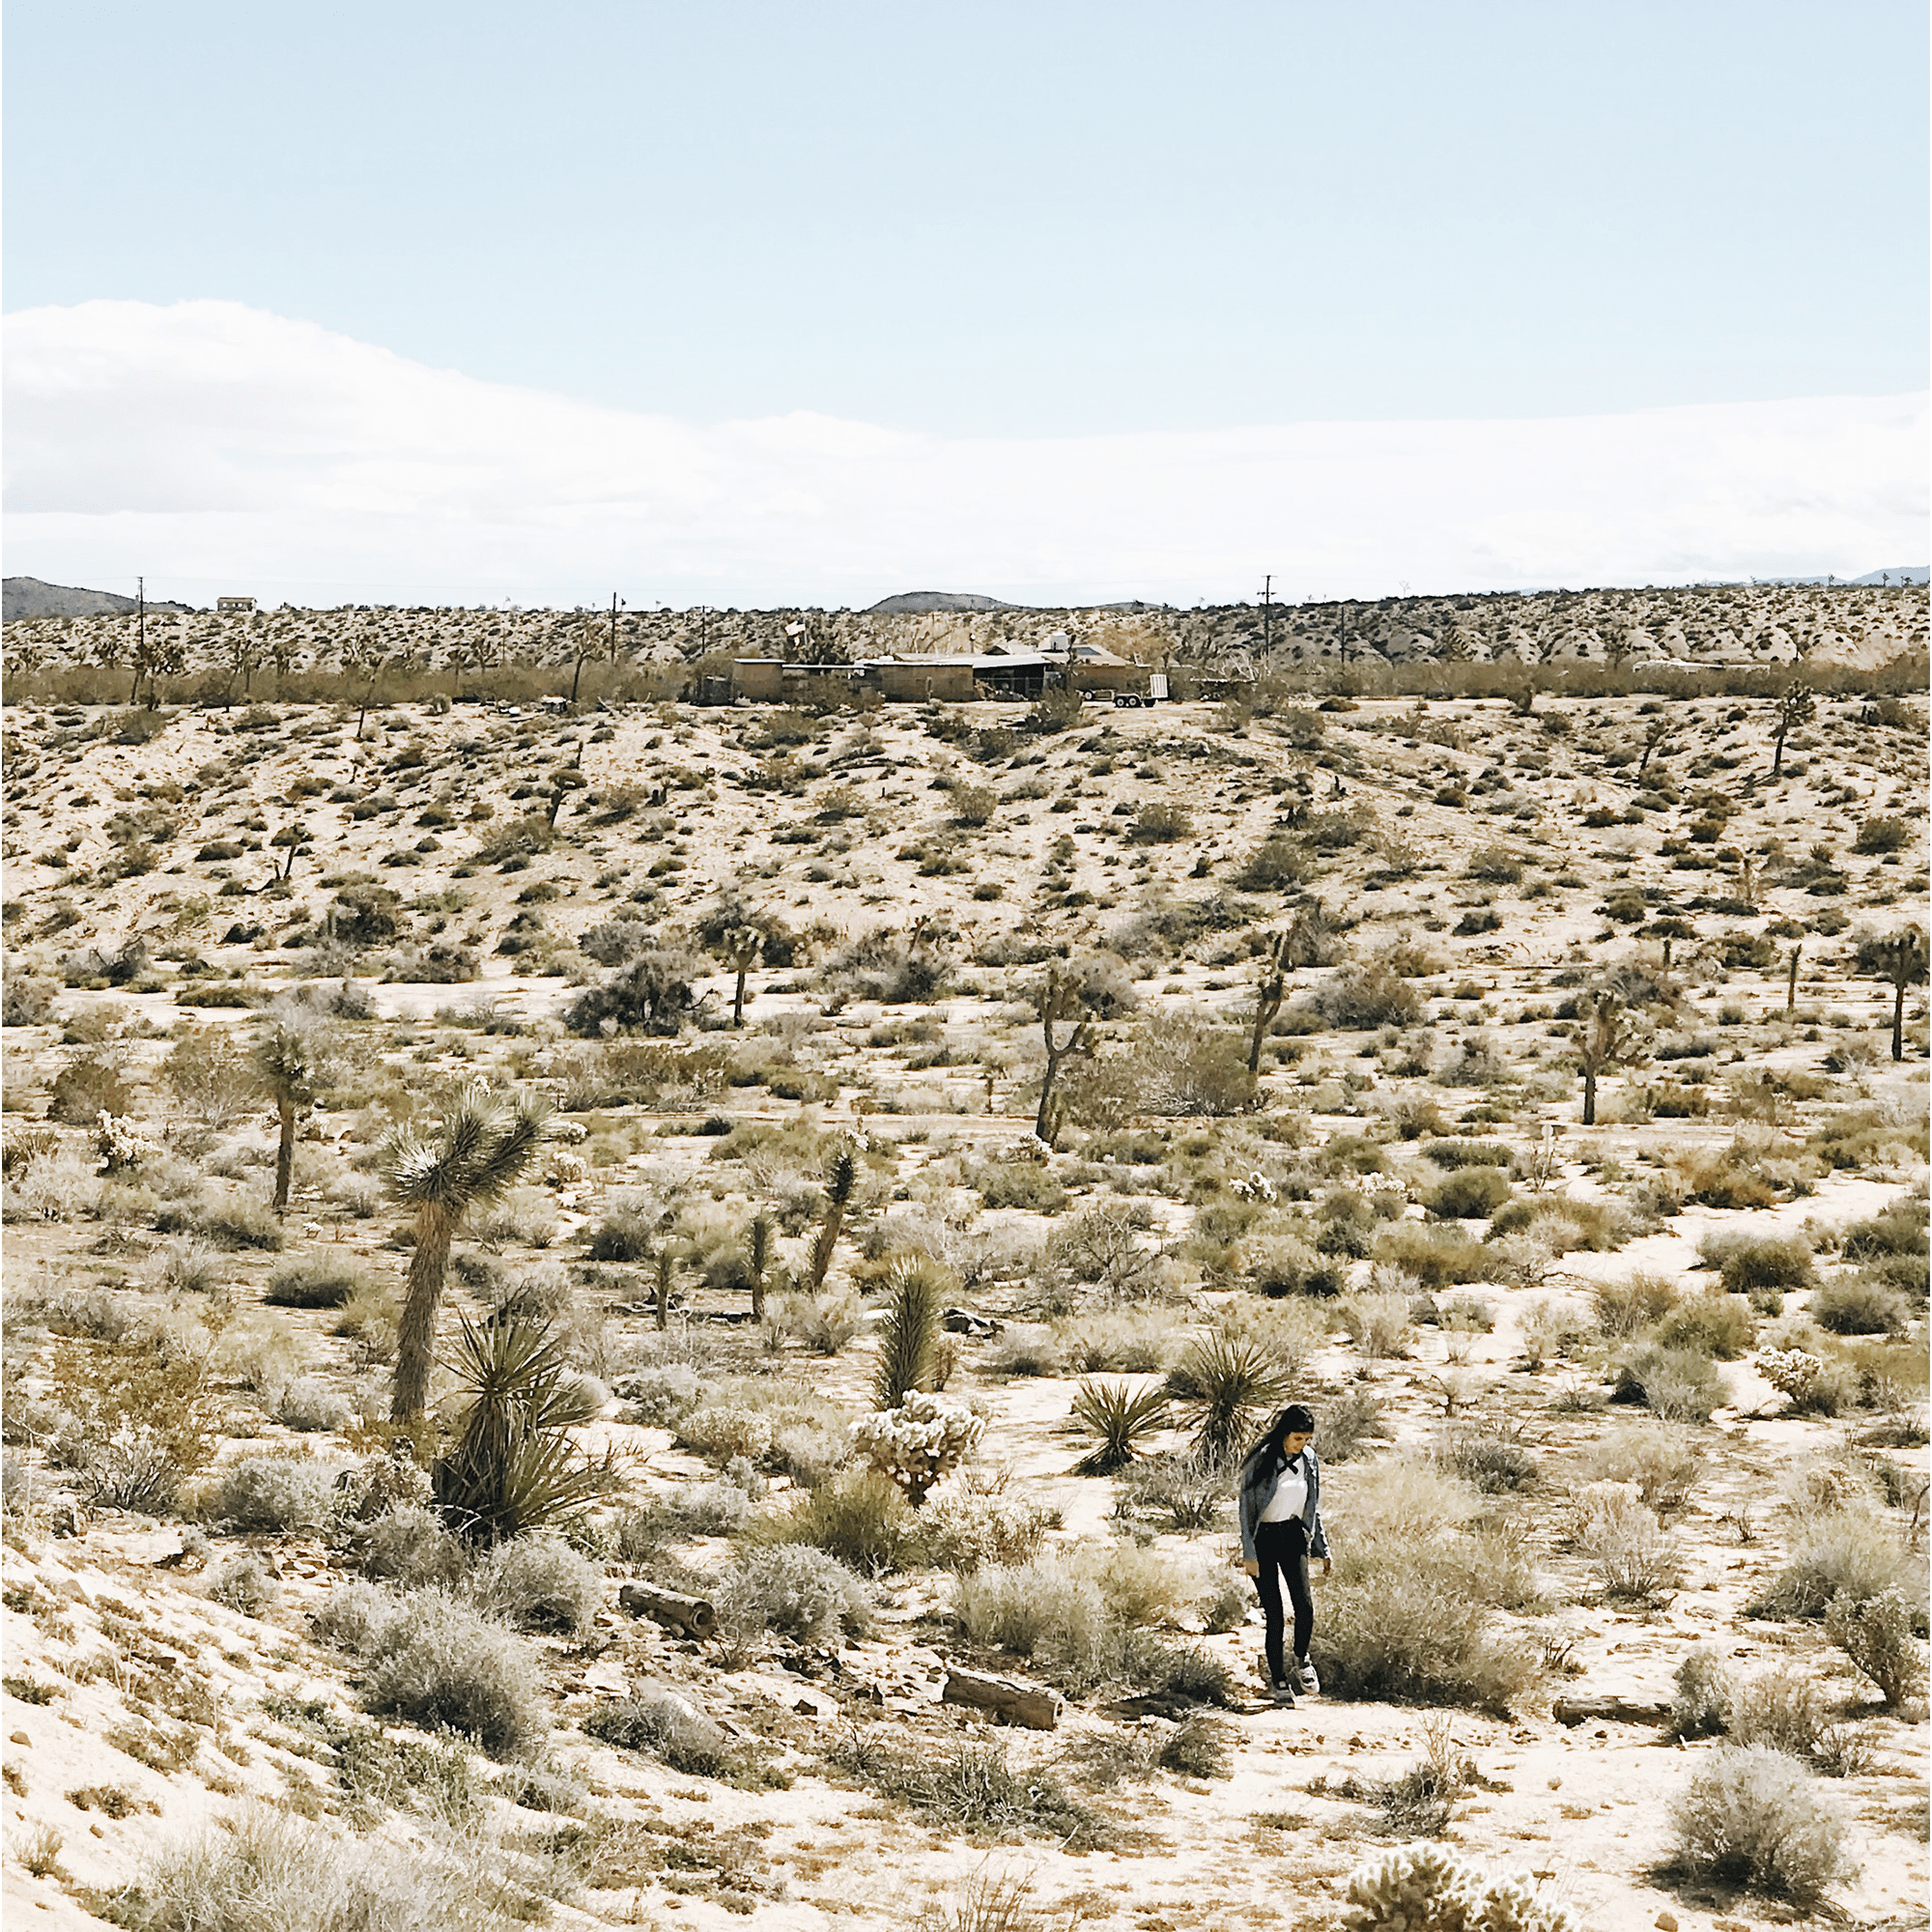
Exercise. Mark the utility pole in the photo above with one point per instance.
(140, 634)
(613, 627)
(1343, 610)
(1268, 615)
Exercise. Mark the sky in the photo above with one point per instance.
(746, 303)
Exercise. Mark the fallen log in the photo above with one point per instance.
(689, 1616)
(1608, 1711)
(1033, 1705)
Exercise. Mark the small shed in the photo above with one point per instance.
(234, 607)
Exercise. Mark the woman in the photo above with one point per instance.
(1281, 1529)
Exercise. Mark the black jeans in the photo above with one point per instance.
(1281, 1549)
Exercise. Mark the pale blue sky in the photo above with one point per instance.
(1009, 219)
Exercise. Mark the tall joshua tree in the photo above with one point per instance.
(1607, 1034)
(287, 1064)
(1059, 1002)
(1902, 958)
(744, 946)
(839, 1189)
(1268, 995)
(480, 1148)
(1795, 706)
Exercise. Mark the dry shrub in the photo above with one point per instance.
(437, 1662)
(966, 1532)
(1752, 1816)
(274, 1491)
(1752, 1261)
(1415, 1632)
(1400, 1501)
(273, 1873)
(861, 1518)
(1879, 1637)
(1625, 1307)
(1845, 1552)
(797, 1590)
(538, 1582)
(1620, 1533)
(1661, 1458)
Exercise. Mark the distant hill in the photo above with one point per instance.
(29, 597)
(915, 602)
(1911, 573)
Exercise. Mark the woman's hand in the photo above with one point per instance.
(1328, 1566)
(1251, 1565)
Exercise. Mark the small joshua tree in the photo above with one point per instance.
(1795, 706)
(288, 1066)
(479, 1148)
(664, 1277)
(839, 1190)
(1059, 1002)
(909, 1336)
(1902, 958)
(759, 1247)
(1607, 1034)
(744, 946)
(1268, 995)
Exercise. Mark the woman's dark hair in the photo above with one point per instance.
(1296, 1419)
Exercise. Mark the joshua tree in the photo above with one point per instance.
(1902, 958)
(1653, 741)
(1607, 1034)
(1268, 995)
(664, 1275)
(1791, 982)
(1058, 1001)
(562, 783)
(743, 946)
(364, 660)
(758, 1249)
(287, 1064)
(1795, 706)
(480, 1148)
(837, 1198)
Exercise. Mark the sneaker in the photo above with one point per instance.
(1305, 1678)
(1282, 1692)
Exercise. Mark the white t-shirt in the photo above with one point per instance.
(1291, 1494)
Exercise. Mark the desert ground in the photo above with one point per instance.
(1623, 1421)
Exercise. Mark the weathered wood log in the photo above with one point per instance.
(689, 1616)
(1033, 1705)
(1608, 1711)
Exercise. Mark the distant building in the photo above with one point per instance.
(1003, 671)
(234, 607)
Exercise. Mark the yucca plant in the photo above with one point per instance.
(480, 1148)
(511, 1467)
(909, 1336)
(839, 1190)
(1223, 1386)
(1119, 1419)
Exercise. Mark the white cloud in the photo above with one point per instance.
(215, 446)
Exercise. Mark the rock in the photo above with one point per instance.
(1666, 1922)
(20, 1738)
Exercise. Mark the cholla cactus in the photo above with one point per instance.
(122, 1142)
(919, 1442)
(1791, 1372)
(1421, 1889)
(1256, 1186)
